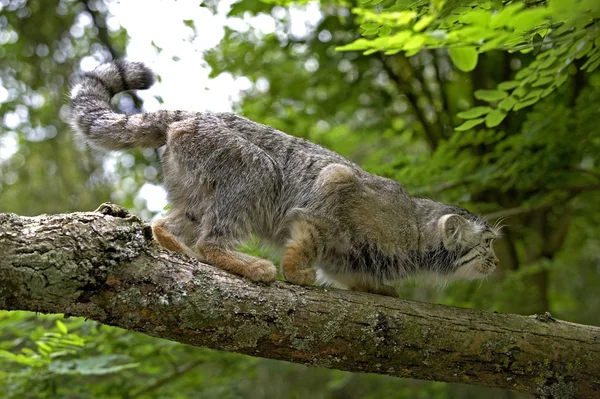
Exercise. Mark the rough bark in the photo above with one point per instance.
(104, 266)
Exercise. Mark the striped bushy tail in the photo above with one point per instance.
(93, 117)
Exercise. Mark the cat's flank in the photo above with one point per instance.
(228, 177)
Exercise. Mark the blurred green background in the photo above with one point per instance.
(277, 64)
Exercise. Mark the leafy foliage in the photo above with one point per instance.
(48, 356)
(558, 32)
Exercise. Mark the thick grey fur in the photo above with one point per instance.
(228, 177)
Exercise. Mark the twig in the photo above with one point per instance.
(166, 380)
(504, 213)
(574, 191)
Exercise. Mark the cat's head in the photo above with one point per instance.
(471, 239)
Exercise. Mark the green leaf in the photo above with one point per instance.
(399, 38)
(158, 49)
(190, 23)
(495, 42)
(490, 95)
(561, 49)
(509, 84)
(527, 103)
(405, 17)
(523, 73)
(549, 72)
(405, 4)
(520, 92)
(584, 49)
(454, 6)
(369, 25)
(469, 124)
(423, 23)
(359, 44)
(410, 53)
(415, 43)
(495, 117)
(465, 58)
(548, 62)
(548, 91)
(507, 103)
(474, 112)
(61, 327)
(528, 19)
(471, 34)
(44, 348)
(533, 93)
(505, 15)
(592, 58)
(385, 30)
(26, 360)
(476, 17)
(392, 52)
(560, 79)
(543, 80)
(593, 66)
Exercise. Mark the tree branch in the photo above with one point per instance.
(104, 266)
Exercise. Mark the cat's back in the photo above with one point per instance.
(384, 212)
(285, 149)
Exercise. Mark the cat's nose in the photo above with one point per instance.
(496, 260)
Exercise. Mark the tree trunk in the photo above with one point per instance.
(104, 266)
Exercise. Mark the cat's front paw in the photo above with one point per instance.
(261, 270)
(301, 277)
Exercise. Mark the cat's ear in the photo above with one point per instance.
(456, 230)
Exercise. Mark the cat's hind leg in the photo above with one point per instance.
(166, 239)
(220, 254)
(216, 252)
(300, 253)
(234, 181)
